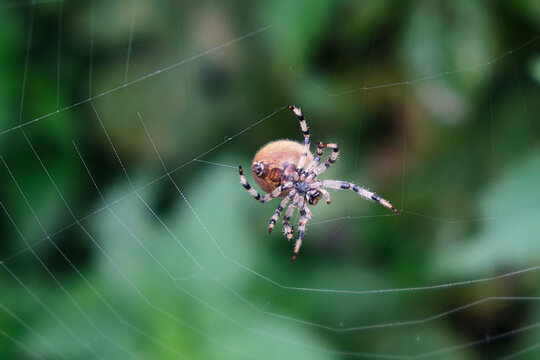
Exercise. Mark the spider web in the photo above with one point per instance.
(129, 236)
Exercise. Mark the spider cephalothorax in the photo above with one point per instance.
(280, 169)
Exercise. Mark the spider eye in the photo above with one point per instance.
(257, 169)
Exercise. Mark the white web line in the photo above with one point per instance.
(163, 224)
(348, 217)
(522, 97)
(18, 4)
(94, 290)
(521, 352)
(448, 221)
(197, 263)
(359, 292)
(403, 169)
(363, 101)
(51, 312)
(310, 82)
(130, 41)
(256, 123)
(387, 325)
(422, 79)
(36, 256)
(63, 324)
(341, 291)
(181, 46)
(370, 326)
(409, 322)
(196, 159)
(59, 52)
(491, 121)
(27, 59)
(167, 272)
(228, 139)
(147, 76)
(31, 329)
(136, 289)
(91, 52)
(217, 164)
(113, 213)
(261, 310)
(20, 344)
(77, 221)
(477, 342)
(86, 281)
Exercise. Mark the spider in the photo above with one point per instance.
(287, 169)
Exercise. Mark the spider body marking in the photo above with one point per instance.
(287, 169)
(275, 162)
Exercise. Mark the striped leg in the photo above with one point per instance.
(305, 216)
(331, 159)
(307, 139)
(326, 195)
(277, 191)
(316, 159)
(287, 228)
(314, 196)
(279, 209)
(344, 185)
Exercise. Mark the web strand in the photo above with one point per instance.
(184, 284)
(91, 52)
(31, 329)
(86, 281)
(27, 59)
(49, 272)
(349, 329)
(130, 41)
(164, 176)
(425, 78)
(21, 345)
(19, 4)
(130, 83)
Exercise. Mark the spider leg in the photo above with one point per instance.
(316, 159)
(279, 209)
(277, 191)
(326, 195)
(366, 194)
(331, 159)
(305, 216)
(287, 228)
(307, 138)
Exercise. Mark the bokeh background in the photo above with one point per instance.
(106, 253)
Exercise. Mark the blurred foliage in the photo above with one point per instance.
(505, 239)
(434, 105)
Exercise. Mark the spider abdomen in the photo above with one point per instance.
(275, 162)
(287, 169)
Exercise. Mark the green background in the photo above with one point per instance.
(106, 255)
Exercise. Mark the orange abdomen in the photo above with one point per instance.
(275, 161)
